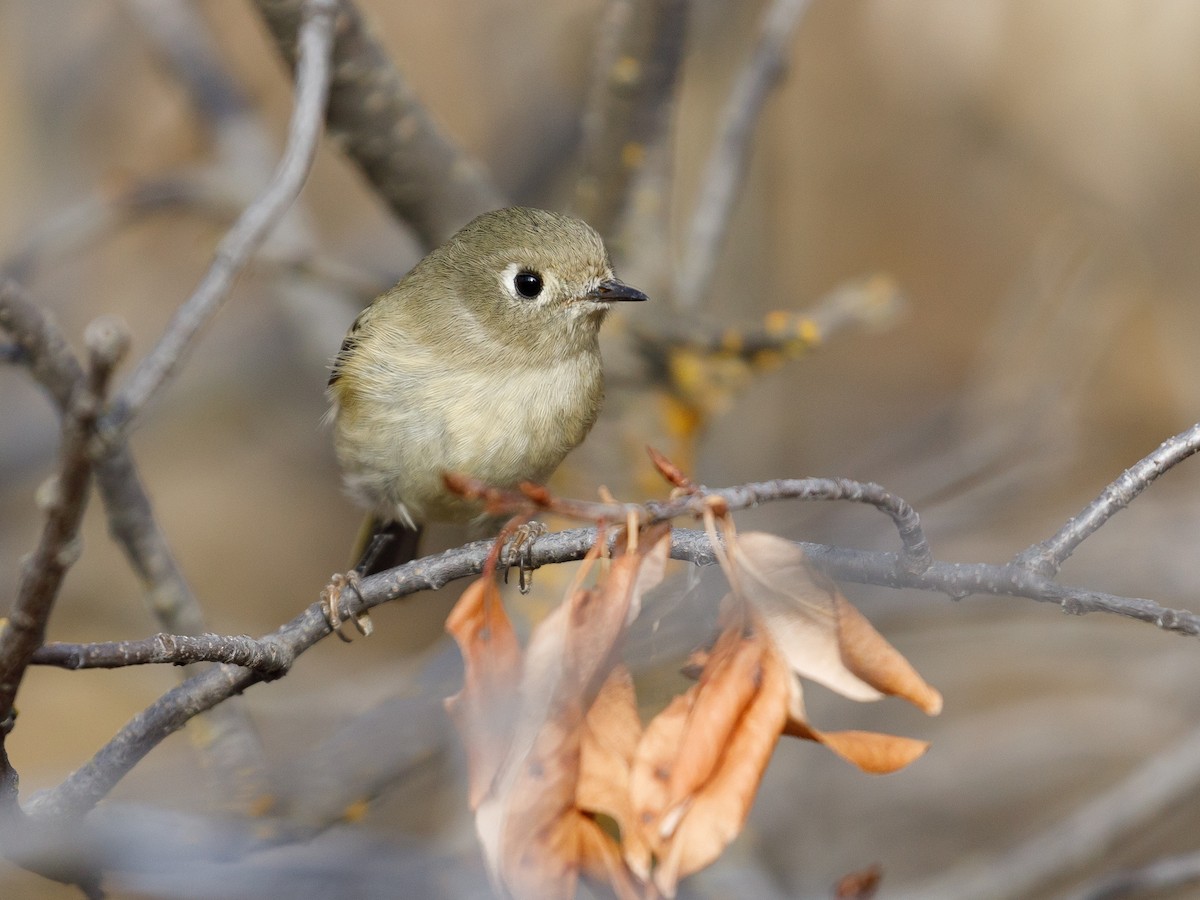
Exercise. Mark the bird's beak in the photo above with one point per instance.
(612, 290)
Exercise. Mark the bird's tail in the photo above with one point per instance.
(384, 545)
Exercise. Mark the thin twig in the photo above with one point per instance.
(265, 657)
(727, 163)
(181, 41)
(236, 248)
(375, 117)
(1048, 557)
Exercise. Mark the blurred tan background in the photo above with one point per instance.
(1028, 172)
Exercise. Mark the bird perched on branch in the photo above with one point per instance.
(483, 360)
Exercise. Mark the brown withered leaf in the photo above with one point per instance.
(820, 634)
(545, 840)
(609, 740)
(701, 759)
(611, 733)
(536, 823)
(482, 711)
(872, 752)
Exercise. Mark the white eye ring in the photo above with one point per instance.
(524, 283)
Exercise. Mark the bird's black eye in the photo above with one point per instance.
(528, 284)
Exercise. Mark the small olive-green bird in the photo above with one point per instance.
(484, 360)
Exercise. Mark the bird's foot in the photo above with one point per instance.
(331, 602)
(518, 552)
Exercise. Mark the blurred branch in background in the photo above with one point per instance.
(726, 168)
(131, 515)
(314, 68)
(640, 51)
(377, 119)
(64, 497)
(1086, 836)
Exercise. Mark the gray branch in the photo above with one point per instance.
(265, 657)
(727, 163)
(64, 499)
(628, 113)
(88, 785)
(1048, 556)
(251, 228)
(1085, 835)
(374, 115)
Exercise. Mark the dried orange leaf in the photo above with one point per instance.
(878, 663)
(482, 711)
(610, 738)
(820, 634)
(872, 752)
(650, 779)
(600, 857)
(569, 741)
(728, 684)
(700, 760)
(529, 826)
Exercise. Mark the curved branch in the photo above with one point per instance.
(1159, 876)
(915, 558)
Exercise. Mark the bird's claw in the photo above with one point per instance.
(331, 603)
(517, 552)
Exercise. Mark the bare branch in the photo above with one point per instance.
(722, 361)
(637, 68)
(961, 580)
(236, 248)
(727, 163)
(39, 344)
(912, 568)
(374, 115)
(265, 657)
(1048, 556)
(366, 756)
(182, 42)
(87, 785)
(132, 524)
(64, 499)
